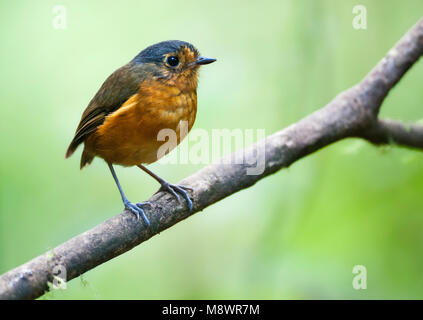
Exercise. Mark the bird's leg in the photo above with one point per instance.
(172, 188)
(134, 208)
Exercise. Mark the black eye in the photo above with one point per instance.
(173, 61)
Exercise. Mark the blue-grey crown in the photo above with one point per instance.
(156, 52)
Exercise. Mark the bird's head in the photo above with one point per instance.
(173, 61)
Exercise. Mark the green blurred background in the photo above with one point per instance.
(296, 234)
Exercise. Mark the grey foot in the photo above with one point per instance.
(138, 210)
(175, 189)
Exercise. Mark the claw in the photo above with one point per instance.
(173, 189)
(145, 203)
(138, 210)
(185, 187)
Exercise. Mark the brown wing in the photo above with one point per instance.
(118, 87)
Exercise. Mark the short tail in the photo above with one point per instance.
(86, 159)
(71, 149)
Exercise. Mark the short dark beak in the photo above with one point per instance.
(204, 60)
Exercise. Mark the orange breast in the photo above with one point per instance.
(129, 135)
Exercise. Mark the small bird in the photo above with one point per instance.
(154, 91)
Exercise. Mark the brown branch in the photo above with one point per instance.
(352, 113)
(395, 132)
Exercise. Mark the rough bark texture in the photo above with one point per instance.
(353, 113)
